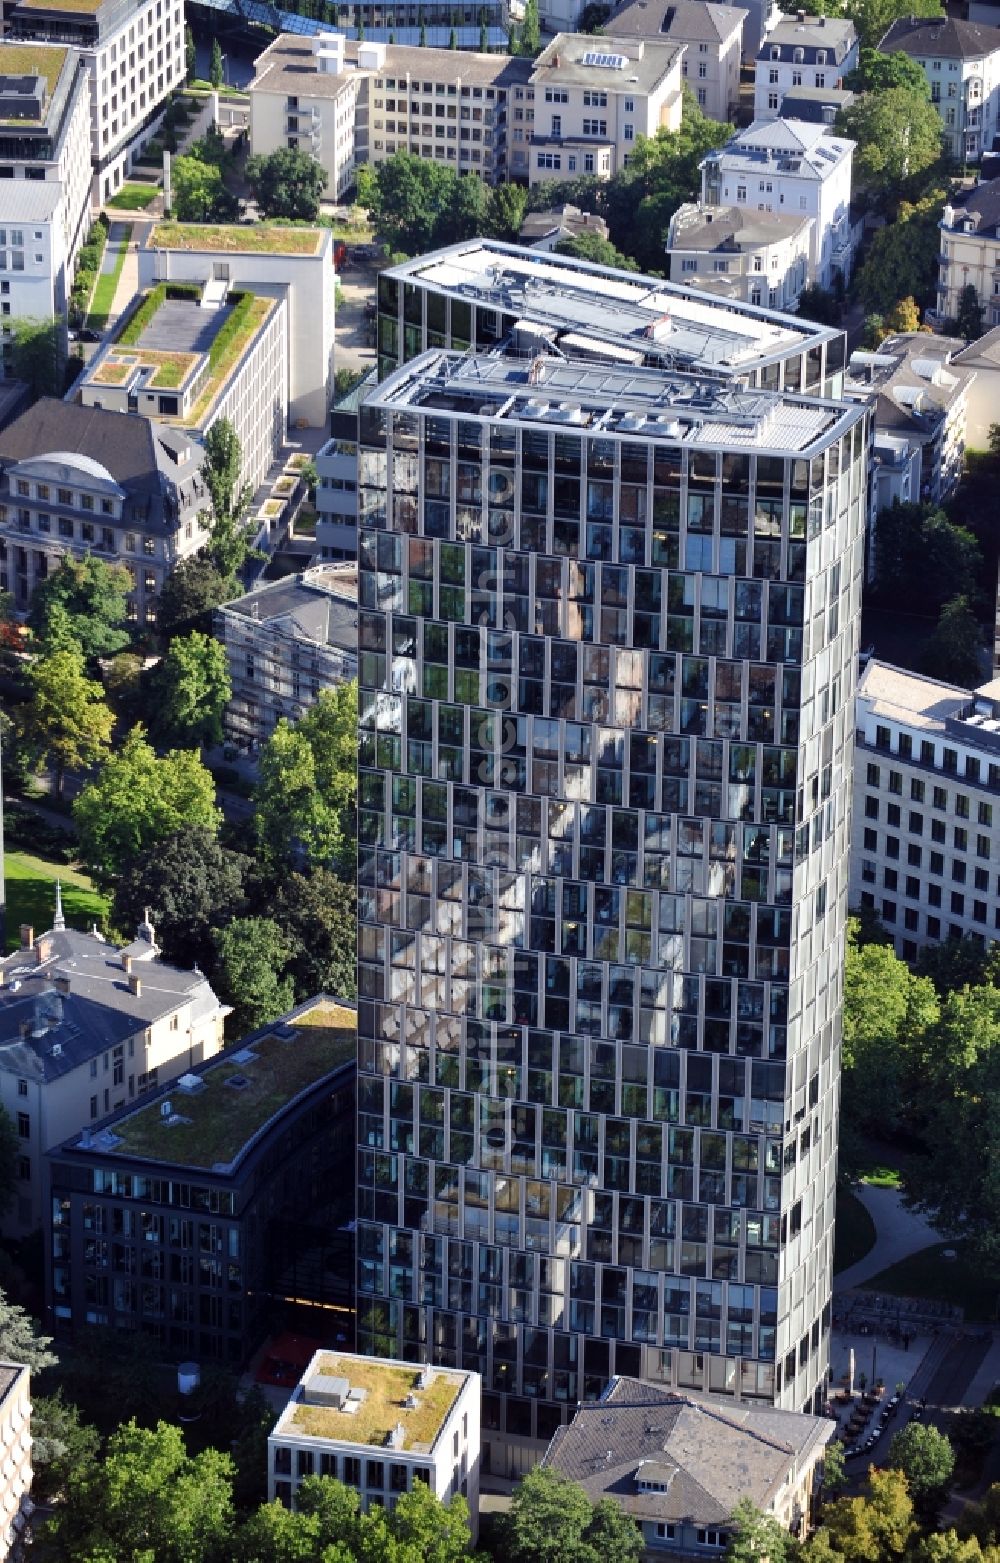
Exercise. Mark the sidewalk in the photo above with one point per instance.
(899, 1232)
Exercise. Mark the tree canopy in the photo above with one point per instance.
(902, 257)
(82, 603)
(953, 652)
(926, 1458)
(873, 18)
(193, 687)
(198, 193)
(138, 800)
(253, 956)
(66, 723)
(877, 72)
(287, 183)
(319, 914)
(595, 248)
(551, 1517)
(191, 885)
(898, 133)
(923, 558)
(192, 589)
(416, 204)
(307, 788)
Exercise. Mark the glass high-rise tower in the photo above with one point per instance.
(608, 654)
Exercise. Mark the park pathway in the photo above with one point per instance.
(899, 1232)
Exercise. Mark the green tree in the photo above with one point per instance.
(958, 963)
(215, 68)
(453, 39)
(888, 1016)
(307, 787)
(877, 72)
(969, 321)
(484, 38)
(529, 39)
(819, 304)
(593, 16)
(902, 256)
(596, 249)
(287, 183)
(873, 18)
(947, 1547)
(423, 1527)
(192, 589)
(138, 800)
(93, 596)
(197, 191)
(19, 1338)
(35, 354)
(319, 913)
(756, 1537)
(418, 205)
(148, 1502)
(898, 134)
(953, 651)
(254, 953)
(63, 1446)
(10, 1149)
(190, 55)
(874, 332)
(228, 547)
(191, 885)
(927, 1460)
(551, 1517)
(874, 1529)
(505, 209)
(834, 1469)
(193, 687)
(66, 723)
(422, 39)
(923, 557)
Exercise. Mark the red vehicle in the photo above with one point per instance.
(339, 254)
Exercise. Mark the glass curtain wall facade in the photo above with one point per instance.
(607, 671)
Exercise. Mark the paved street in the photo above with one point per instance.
(354, 347)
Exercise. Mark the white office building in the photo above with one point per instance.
(793, 168)
(379, 1426)
(134, 50)
(925, 850)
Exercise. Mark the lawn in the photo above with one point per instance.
(133, 198)
(854, 1234)
(107, 285)
(31, 896)
(26, 59)
(962, 1280)
(384, 1405)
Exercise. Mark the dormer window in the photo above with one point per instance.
(775, 52)
(798, 56)
(820, 56)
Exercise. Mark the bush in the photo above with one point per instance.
(244, 303)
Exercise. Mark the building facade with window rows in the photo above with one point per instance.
(607, 668)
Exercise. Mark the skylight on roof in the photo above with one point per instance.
(610, 62)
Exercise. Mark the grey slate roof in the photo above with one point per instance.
(982, 204)
(121, 442)
(303, 610)
(948, 38)
(707, 1454)
(834, 35)
(682, 21)
(99, 1011)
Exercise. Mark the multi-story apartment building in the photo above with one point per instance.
(163, 364)
(982, 358)
(348, 103)
(87, 1027)
(712, 36)
(134, 50)
(759, 257)
(970, 252)
(961, 61)
(796, 168)
(485, 293)
(810, 51)
(79, 480)
(285, 642)
(379, 1427)
(920, 406)
(45, 169)
(337, 478)
(593, 99)
(925, 854)
(608, 645)
(15, 1444)
(214, 1212)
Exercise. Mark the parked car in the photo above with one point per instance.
(87, 334)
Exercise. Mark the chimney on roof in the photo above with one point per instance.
(135, 984)
(27, 937)
(25, 1028)
(62, 982)
(43, 950)
(126, 963)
